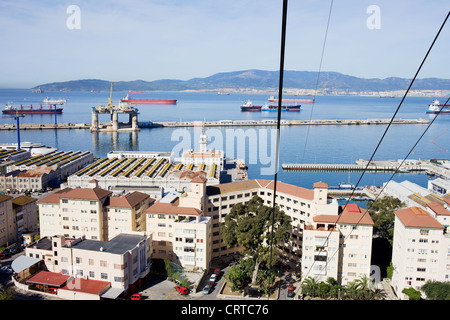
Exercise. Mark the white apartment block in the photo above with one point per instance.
(181, 233)
(124, 261)
(338, 246)
(420, 250)
(299, 203)
(93, 213)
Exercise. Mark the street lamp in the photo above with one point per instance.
(18, 129)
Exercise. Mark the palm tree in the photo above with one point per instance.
(310, 287)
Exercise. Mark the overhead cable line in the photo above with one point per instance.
(317, 79)
(280, 95)
(387, 128)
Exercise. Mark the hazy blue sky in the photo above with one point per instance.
(183, 39)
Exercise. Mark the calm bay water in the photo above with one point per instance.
(314, 144)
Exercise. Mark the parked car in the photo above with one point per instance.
(290, 293)
(213, 278)
(136, 296)
(182, 290)
(2, 256)
(6, 270)
(217, 272)
(52, 290)
(207, 289)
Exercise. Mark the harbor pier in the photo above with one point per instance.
(135, 125)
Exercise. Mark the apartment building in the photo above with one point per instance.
(338, 246)
(420, 250)
(124, 261)
(299, 203)
(8, 232)
(93, 213)
(17, 215)
(181, 233)
(25, 211)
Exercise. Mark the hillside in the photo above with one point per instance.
(257, 79)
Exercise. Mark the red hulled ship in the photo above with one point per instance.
(148, 101)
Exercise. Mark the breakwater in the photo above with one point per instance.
(219, 123)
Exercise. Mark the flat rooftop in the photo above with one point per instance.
(117, 245)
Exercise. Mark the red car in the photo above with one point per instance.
(181, 289)
(217, 272)
(136, 296)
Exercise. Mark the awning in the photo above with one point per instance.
(112, 293)
(23, 262)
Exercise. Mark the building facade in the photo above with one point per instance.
(181, 233)
(124, 261)
(420, 250)
(93, 213)
(338, 246)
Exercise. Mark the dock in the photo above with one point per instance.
(410, 166)
(217, 123)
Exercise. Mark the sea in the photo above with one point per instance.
(298, 144)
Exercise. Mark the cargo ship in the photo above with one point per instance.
(295, 107)
(273, 99)
(9, 109)
(436, 106)
(148, 101)
(248, 106)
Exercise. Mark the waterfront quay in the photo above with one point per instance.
(217, 123)
(434, 168)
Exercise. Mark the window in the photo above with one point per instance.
(104, 276)
(78, 260)
(103, 263)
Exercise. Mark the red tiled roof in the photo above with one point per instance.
(290, 189)
(77, 193)
(128, 201)
(415, 217)
(49, 278)
(438, 209)
(86, 285)
(169, 208)
(352, 214)
(199, 179)
(320, 184)
(54, 197)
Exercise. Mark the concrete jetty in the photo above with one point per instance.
(410, 166)
(217, 123)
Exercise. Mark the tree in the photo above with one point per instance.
(240, 274)
(310, 287)
(436, 290)
(412, 293)
(382, 213)
(266, 280)
(250, 226)
(6, 293)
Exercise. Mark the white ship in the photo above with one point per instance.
(53, 101)
(35, 149)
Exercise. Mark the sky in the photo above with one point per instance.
(46, 41)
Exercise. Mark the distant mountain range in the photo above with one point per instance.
(257, 79)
